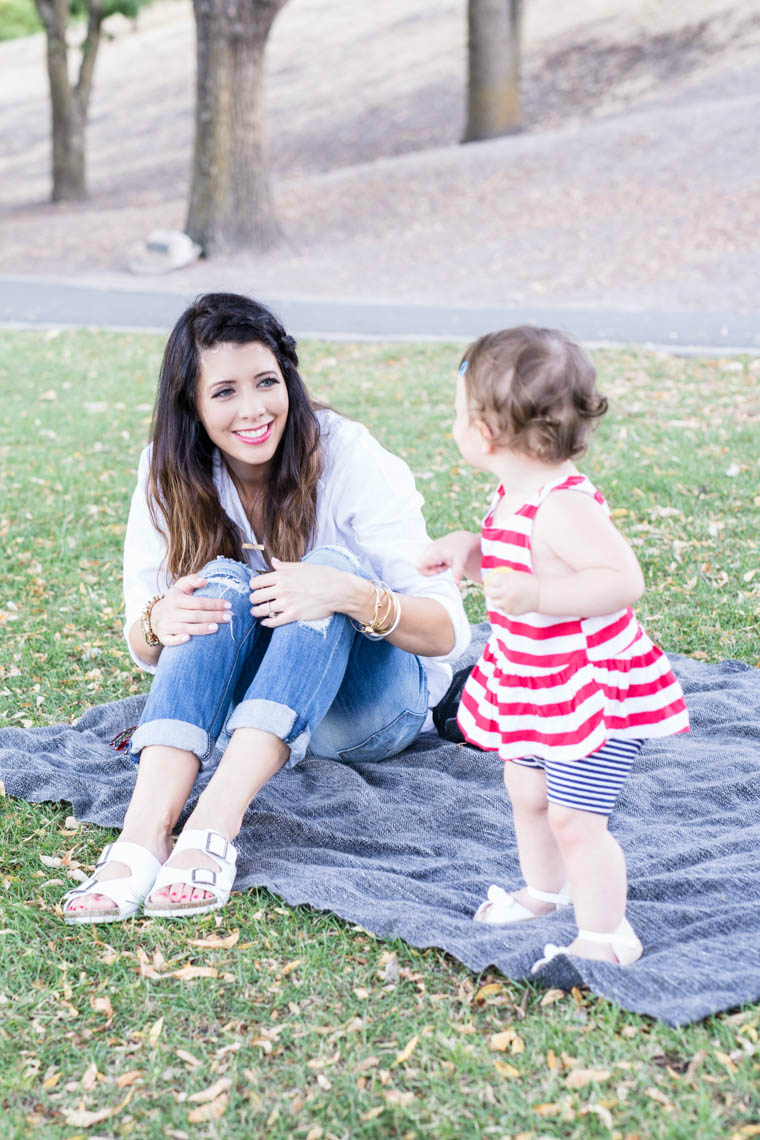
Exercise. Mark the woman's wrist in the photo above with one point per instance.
(359, 598)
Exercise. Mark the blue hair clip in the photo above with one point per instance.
(463, 367)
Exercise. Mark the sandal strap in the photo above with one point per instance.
(217, 881)
(217, 846)
(623, 936)
(560, 898)
(129, 890)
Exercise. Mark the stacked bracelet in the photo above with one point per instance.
(386, 614)
(148, 632)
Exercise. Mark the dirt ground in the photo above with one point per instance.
(635, 182)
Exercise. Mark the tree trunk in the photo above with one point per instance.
(69, 102)
(493, 88)
(231, 205)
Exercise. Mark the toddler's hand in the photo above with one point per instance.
(511, 591)
(451, 552)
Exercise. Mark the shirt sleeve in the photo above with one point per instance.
(144, 558)
(375, 499)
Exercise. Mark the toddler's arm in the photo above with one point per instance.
(458, 552)
(582, 564)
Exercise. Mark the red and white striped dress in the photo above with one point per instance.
(559, 687)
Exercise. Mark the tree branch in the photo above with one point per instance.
(89, 53)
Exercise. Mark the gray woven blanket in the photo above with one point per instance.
(408, 847)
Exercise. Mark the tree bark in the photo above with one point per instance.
(69, 102)
(493, 88)
(231, 204)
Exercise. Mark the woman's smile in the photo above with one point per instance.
(255, 435)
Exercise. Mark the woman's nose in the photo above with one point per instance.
(254, 405)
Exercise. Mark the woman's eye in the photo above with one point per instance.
(222, 392)
(268, 381)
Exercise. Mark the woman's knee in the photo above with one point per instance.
(339, 557)
(225, 578)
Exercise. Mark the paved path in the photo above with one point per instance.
(33, 303)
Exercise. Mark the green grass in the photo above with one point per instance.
(304, 1017)
(18, 18)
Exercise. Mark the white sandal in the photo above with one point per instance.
(624, 941)
(501, 908)
(127, 892)
(217, 882)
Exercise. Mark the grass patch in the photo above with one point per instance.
(18, 18)
(300, 1023)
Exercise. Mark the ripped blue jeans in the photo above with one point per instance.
(319, 686)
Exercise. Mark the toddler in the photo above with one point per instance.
(569, 685)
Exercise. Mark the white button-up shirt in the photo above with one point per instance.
(366, 502)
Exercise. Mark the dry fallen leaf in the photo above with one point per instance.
(551, 996)
(500, 1042)
(601, 1111)
(406, 1052)
(190, 973)
(127, 1079)
(214, 1110)
(546, 1109)
(51, 1081)
(505, 1068)
(488, 990)
(83, 1118)
(372, 1113)
(579, 1078)
(215, 942)
(188, 1058)
(155, 1031)
(102, 1005)
(290, 967)
(212, 1092)
(315, 1133)
(90, 1078)
(395, 1096)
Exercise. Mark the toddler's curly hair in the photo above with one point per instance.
(535, 390)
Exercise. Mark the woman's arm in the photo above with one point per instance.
(177, 615)
(303, 591)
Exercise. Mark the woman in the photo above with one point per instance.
(270, 585)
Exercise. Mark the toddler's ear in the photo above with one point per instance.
(487, 436)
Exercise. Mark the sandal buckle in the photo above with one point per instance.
(211, 838)
(204, 875)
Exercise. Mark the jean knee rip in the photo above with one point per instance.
(319, 625)
(343, 551)
(224, 581)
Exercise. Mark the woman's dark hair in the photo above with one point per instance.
(182, 496)
(535, 390)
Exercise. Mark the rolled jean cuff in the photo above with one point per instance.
(174, 734)
(269, 716)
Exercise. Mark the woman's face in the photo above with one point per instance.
(242, 402)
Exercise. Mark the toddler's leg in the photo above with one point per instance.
(596, 869)
(541, 860)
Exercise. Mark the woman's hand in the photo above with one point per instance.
(302, 591)
(179, 615)
(458, 552)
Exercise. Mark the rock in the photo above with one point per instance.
(162, 251)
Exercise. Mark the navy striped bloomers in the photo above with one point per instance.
(589, 784)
